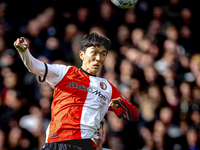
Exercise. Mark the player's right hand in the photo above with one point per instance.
(21, 44)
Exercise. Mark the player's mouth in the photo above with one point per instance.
(96, 66)
(98, 134)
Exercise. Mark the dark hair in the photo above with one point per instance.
(93, 39)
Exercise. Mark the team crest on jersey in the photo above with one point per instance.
(103, 85)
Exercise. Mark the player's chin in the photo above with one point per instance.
(95, 70)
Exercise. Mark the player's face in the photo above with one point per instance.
(100, 133)
(93, 59)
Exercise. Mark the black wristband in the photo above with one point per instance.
(45, 74)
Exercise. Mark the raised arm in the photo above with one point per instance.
(33, 65)
(121, 107)
(55, 72)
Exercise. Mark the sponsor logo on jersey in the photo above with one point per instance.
(96, 92)
(103, 85)
(89, 89)
(74, 85)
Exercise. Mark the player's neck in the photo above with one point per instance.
(87, 72)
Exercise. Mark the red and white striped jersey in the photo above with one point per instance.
(80, 101)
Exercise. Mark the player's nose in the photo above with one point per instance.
(98, 57)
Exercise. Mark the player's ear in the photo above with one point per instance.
(81, 54)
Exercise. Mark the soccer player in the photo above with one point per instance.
(81, 99)
(100, 134)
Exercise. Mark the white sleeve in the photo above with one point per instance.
(33, 65)
(55, 72)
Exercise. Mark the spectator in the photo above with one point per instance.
(192, 138)
(3, 140)
(137, 35)
(185, 92)
(168, 59)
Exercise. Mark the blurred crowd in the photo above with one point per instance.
(154, 61)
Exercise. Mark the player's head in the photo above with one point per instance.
(93, 51)
(93, 39)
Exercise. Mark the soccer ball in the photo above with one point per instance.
(124, 3)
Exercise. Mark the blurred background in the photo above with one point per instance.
(154, 61)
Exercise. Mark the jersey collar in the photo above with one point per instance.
(87, 72)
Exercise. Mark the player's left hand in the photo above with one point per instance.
(114, 103)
